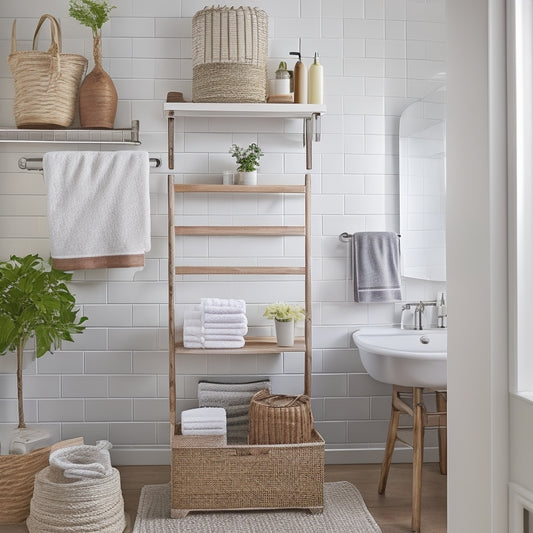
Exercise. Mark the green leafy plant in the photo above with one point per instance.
(284, 312)
(34, 302)
(91, 13)
(247, 158)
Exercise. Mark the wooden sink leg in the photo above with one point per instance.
(418, 456)
(389, 447)
(443, 449)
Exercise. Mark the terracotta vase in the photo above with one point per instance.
(98, 95)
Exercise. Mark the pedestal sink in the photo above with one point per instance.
(410, 358)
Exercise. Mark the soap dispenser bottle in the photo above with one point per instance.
(300, 80)
(316, 82)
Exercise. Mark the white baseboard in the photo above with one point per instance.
(160, 455)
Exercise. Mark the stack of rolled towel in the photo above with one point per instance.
(216, 323)
(203, 421)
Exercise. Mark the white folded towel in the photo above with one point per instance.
(233, 318)
(241, 330)
(203, 414)
(192, 344)
(83, 461)
(98, 208)
(203, 431)
(222, 310)
(208, 337)
(224, 302)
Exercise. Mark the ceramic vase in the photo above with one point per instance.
(285, 332)
(98, 95)
(246, 178)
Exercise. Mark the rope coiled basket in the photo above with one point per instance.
(61, 505)
(280, 419)
(229, 54)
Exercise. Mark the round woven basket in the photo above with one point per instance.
(17, 473)
(61, 505)
(229, 54)
(280, 419)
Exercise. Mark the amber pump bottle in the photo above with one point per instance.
(300, 80)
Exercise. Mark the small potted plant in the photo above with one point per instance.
(247, 163)
(98, 95)
(284, 315)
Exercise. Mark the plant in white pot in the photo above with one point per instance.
(284, 315)
(34, 302)
(247, 163)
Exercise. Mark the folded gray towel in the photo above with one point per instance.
(376, 267)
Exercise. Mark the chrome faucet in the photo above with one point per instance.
(419, 311)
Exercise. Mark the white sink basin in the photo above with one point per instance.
(410, 358)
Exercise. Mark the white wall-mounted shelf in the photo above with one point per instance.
(78, 136)
(188, 109)
(310, 113)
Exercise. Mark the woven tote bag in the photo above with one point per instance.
(229, 54)
(46, 83)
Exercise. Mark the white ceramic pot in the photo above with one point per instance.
(246, 178)
(285, 332)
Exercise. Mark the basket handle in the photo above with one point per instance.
(55, 34)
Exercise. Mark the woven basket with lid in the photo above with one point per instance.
(229, 54)
(280, 419)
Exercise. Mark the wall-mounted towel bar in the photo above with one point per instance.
(36, 163)
(347, 237)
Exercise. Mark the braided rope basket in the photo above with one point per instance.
(229, 54)
(280, 419)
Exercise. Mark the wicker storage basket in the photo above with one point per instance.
(240, 477)
(229, 55)
(46, 83)
(17, 473)
(280, 419)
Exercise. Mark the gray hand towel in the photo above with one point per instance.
(376, 267)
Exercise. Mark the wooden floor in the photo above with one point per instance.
(392, 511)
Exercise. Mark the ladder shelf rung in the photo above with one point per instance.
(253, 345)
(253, 189)
(240, 230)
(240, 270)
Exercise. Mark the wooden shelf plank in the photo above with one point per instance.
(253, 189)
(240, 230)
(240, 270)
(249, 110)
(254, 345)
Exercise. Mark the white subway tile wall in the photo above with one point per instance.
(379, 56)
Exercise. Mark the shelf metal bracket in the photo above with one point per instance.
(311, 131)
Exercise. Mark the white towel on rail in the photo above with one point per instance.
(98, 208)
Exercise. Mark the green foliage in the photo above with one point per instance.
(284, 312)
(91, 13)
(247, 158)
(35, 301)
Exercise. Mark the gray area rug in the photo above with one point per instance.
(344, 512)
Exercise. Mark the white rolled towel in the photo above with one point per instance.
(83, 461)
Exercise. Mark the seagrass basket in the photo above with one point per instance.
(280, 419)
(229, 55)
(46, 83)
(17, 474)
(210, 477)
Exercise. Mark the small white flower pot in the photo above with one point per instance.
(246, 178)
(285, 332)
